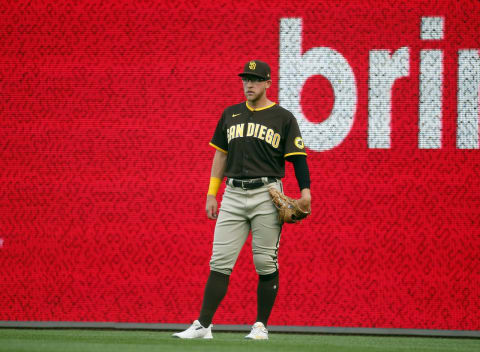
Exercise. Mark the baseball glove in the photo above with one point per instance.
(288, 209)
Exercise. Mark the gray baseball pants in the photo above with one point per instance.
(243, 211)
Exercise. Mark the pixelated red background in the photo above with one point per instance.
(106, 111)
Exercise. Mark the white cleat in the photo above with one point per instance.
(259, 332)
(195, 331)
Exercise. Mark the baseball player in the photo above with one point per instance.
(252, 141)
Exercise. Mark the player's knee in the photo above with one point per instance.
(222, 262)
(264, 264)
(220, 268)
(269, 277)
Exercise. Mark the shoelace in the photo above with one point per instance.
(258, 329)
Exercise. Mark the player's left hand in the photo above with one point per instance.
(289, 210)
(304, 203)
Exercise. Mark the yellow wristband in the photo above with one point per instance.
(215, 183)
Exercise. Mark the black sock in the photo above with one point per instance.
(215, 290)
(266, 293)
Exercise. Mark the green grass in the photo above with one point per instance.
(88, 340)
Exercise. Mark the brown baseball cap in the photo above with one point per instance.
(256, 68)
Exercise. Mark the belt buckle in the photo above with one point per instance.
(243, 183)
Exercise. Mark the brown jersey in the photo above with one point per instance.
(257, 141)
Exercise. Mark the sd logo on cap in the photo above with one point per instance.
(256, 68)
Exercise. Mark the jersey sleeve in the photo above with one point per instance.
(294, 142)
(219, 139)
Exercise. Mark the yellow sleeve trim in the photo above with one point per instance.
(298, 153)
(218, 148)
(214, 185)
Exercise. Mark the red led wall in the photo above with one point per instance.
(106, 111)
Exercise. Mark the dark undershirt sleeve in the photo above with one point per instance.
(301, 170)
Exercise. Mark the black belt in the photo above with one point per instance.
(250, 183)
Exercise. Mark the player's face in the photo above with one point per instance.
(254, 88)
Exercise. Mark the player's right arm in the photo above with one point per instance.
(216, 176)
